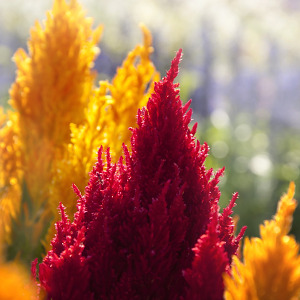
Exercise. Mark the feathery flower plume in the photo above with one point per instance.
(135, 227)
(271, 264)
(52, 85)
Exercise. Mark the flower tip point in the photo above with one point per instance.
(61, 208)
(142, 26)
(173, 72)
(291, 189)
(33, 268)
(179, 54)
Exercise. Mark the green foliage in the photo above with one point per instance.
(259, 164)
(28, 232)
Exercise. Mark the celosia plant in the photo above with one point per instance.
(60, 119)
(135, 228)
(271, 264)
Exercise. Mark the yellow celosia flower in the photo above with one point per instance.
(52, 87)
(271, 267)
(111, 111)
(51, 90)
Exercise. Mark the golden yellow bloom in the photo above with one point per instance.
(111, 111)
(271, 267)
(52, 87)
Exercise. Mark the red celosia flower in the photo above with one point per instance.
(135, 228)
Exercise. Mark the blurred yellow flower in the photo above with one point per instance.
(271, 267)
(111, 111)
(52, 86)
(15, 283)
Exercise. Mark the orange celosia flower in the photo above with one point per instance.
(271, 267)
(52, 86)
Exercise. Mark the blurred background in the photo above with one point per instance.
(241, 67)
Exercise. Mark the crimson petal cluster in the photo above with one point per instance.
(148, 226)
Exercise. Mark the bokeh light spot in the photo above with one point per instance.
(260, 141)
(241, 164)
(261, 165)
(219, 118)
(243, 132)
(219, 149)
